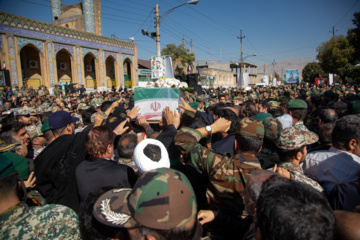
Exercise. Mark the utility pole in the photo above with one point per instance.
(184, 42)
(333, 31)
(157, 21)
(274, 63)
(241, 54)
(264, 69)
(191, 46)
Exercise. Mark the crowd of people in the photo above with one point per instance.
(231, 163)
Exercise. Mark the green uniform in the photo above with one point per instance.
(227, 176)
(44, 222)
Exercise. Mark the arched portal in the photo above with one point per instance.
(90, 71)
(63, 61)
(127, 73)
(110, 72)
(30, 66)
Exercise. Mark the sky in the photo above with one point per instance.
(274, 30)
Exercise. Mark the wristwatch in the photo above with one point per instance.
(208, 129)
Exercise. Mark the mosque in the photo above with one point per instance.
(69, 50)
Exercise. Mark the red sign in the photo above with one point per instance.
(321, 81)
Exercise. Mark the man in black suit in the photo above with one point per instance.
(100, 170)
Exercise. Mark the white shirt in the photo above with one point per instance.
(286, 120)
(332, 167)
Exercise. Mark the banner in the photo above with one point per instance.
(152, 101)
(157, 67)
(292, 76)
(245, 81)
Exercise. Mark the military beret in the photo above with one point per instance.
(262, 116)
(329, 93)
(296, 103)
(194, 105)
(251, 128)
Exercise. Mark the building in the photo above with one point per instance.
(71, 49)
(226, 74)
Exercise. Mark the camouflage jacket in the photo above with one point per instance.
(128, 162)
(297, 174)
(227, 176)
(45, 222)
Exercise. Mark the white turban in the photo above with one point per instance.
(143, 163)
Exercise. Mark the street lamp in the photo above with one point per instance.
(160, 18)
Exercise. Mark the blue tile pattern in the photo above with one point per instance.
(78, 61)
(23, 41)
(12, 61)
(89, 15)
(106, 54)
(51, 64)
(102, 68)
(57, 38)
(58, 47)
(55, 9)
(86, 50)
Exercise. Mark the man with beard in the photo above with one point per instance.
(292, 151)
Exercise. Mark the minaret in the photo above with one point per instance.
(89, 15)
(55, 9)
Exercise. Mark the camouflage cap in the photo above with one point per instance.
(273, 128)
(238, 98)
(83, 106)
(22, 112)
(274, 104)
(294, 137)
(200, 99)
(161, 199)
(94, 115)
(251, 128)
(296, 103)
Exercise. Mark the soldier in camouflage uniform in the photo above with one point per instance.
(97, 101)
(57, 91)
(295, 139)
(22, 222)
(162, 199)
(227, 176)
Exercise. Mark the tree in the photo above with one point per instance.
(354, 38)
(180, 53)
(335, 54)
(312, 71)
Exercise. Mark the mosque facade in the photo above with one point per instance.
(71, 49)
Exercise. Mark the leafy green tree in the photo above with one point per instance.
(335, 54)
(311, 71)
(178, 52)
(354, 38)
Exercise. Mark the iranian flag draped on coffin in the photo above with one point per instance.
(152, 101)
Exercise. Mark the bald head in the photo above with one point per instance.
(328, 115)
(253, 188)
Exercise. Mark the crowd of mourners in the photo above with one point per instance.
(231, 163)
